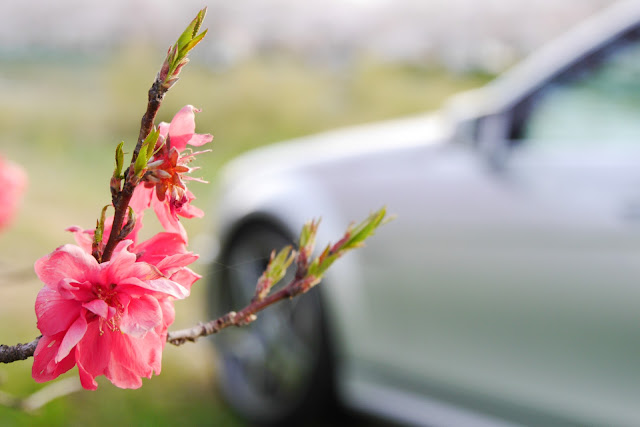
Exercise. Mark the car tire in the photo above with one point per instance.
(277, 370)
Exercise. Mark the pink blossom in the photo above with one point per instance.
(108, 319)
(13, 181)
(172, 246)
(164, 181)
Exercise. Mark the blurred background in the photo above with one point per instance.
(73, 82)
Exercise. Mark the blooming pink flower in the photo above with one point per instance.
(165, 251)
(13, 181)
(108, 319)
(164, 181)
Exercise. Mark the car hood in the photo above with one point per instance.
(338, 145)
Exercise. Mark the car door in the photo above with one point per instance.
(518, 291)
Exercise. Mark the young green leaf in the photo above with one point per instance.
(119, 160)
(353, 238)
(151, 140)
(275, 271)
(362, 231)
(192, 29)
(96, 247)
(177, 55)
(146, 151)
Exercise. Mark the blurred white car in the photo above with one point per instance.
(507, 291)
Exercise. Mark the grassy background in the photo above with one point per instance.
(62, 118)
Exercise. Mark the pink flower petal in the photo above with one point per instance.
(68, 261)
(71, 338)
(98, 307)
(154, 344)
(123, 377)
(199, 139)
(123, 265)
(159, 246)
(71, 289)
(182, 127)
(168, 220)
(190, 211)
(44, 366)
(139, 287)
(168, 316)
(92, 354)
(163, 127)
(133, 358)
(55, 314)
(170, 264)
(142, 315)
(83, 238)
(141, 199)
(185, 277)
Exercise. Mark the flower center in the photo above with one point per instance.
(115, 309)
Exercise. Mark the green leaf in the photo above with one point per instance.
(119, 160)
(275, 271)
(308, 234)
(199, 19)
(192, 29)
(146, 151)
(353, 238)
(97, 236)
(141, 162)
(365, 229)
(195, 41)
(176, 57)
(278, 265)
(151, 141)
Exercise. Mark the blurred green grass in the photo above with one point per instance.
(62, 120)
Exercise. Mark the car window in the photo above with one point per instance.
(596, 101)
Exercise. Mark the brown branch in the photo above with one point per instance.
(240, 318)
(122, 198)
(17, 352)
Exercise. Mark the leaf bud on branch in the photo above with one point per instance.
(305, 277)
(177, 54)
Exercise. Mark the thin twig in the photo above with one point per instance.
(17, 352)
(122, 198)
(240, 318)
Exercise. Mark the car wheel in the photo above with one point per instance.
(277, 370)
